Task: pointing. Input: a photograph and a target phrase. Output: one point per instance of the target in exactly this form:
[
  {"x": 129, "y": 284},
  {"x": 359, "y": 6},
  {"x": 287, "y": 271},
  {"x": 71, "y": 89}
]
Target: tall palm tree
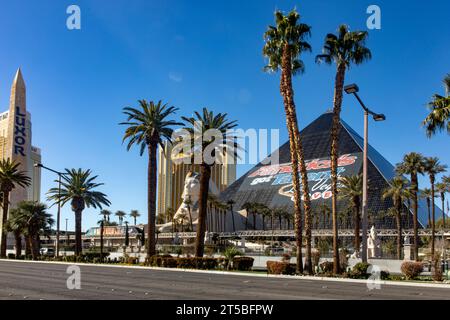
[
  {"x": 148, "y": 126},
  {"x": 80, "y": 188},
  {"x": 439, "y": 117},
  {"x": 413, "y": 164},
  {"x": 106, "y": 214},
  {"x": 426, "y": 194},
  {"x": 134, "y": 214},
  {"x": 10, "y": 178},
  {"x": 35, "y": 221},
  {"x": 344, "y": 49},
  {"x": 432, "y": 167},
  {"x": 442, "y": 188},
  {"x": 285, "y": 42},
  {"x": 209, "y": 150},
  {"x": 396, "y": 192},
  {"x": 120, "y": 215},
  {"x": 351, "y": 190}
]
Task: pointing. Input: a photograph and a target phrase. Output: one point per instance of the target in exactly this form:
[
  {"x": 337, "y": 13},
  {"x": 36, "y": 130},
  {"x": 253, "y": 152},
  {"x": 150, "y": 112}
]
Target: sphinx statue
[{"x": 191, "y": 194}]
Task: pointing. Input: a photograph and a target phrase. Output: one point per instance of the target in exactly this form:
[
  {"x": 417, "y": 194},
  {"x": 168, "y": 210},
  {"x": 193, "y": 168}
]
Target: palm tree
[
  {"x": 344, "y": 49},
  {"x": 16, "y": 225},
  {"x": 216, "y": 147},
  {"x": 102, "y": 231},
  {"x": 438, "y": 118},
  {"x": 433, "y": 167},
  {"x": 247, "y": 207},
  {"x": 443, "y": 187},
  {"x": 134, "y": 214},
  {"x": 170, "y": 213},
  {"x": 79, "y": 187},
  {"x": 10, "y": 178},
  {"x": 351, "y": 190},
  {"x": 230, "y": 204},
  {"x": 413, "y": 164},
  {"x": 148, "y": 127},
  {"x": 285, "y": 42},
  {"x": 188, "y": 203},
  {"x": 106, "y": 214},
  {"x": 426, "y": 194},
  {"x": 396, "y": 192},
  {"x": 33, "y": 220},
  {"x": 120, "y": 215}
]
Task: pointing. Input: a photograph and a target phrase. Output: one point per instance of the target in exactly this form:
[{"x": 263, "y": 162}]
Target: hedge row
[
  {"x": 167, "y": 261},
  {"x": 280, "y": 267}
]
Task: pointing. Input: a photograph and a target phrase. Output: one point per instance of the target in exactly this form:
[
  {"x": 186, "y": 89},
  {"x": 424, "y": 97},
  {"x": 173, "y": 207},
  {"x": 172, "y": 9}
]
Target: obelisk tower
[{"x": 19, "y": 134}]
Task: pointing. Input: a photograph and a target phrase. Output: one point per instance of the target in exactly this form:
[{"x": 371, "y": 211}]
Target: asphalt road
[{"x": 26, "y": 280}]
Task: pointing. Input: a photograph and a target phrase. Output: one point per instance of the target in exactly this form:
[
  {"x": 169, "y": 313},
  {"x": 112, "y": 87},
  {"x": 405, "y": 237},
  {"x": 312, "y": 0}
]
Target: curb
[{"x": 242, "y": 274}]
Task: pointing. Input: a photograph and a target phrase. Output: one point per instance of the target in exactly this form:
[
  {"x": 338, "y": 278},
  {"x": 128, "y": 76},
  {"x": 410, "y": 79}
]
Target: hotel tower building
[{"x": 16, "y": 144}]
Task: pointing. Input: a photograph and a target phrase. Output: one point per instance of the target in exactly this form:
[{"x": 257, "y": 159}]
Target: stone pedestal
[{"x": 407, "y": 252}]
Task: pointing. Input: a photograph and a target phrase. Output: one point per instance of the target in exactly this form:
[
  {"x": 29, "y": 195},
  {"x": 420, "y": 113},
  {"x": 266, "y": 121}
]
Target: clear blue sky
[{"x": 207, "y": 53}]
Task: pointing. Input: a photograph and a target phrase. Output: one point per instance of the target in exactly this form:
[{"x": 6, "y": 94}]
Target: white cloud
[{"x": 175, "y": 76}]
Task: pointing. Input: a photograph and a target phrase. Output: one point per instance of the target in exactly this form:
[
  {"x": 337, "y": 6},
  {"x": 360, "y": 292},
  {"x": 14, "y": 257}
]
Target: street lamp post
[
  {"x": 58, "y": 216},
  {"x": 353, "y": 89}
]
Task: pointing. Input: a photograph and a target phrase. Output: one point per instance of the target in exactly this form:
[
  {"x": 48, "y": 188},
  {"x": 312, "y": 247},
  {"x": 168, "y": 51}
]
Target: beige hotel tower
[
  {"x": 15, "y": 143},
  {"x": 171, "y": 177}
]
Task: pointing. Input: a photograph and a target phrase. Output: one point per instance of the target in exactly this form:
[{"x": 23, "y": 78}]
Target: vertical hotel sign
[{"x": 20, "y": 133}]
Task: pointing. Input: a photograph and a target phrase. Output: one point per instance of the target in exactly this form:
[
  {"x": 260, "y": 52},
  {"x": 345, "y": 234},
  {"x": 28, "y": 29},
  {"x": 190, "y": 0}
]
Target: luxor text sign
[{"x": 20, "y": 134}]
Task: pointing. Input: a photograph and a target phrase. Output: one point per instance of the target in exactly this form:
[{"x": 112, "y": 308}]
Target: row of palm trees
[
  {"x": 148, "y": 126},
  {"x": 134, "y": 214},
  {"x": 29, "y": 220}
]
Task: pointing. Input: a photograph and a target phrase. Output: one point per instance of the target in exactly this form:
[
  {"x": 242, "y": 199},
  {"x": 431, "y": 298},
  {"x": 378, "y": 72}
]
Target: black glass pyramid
[{"x": 272, "y": 185}]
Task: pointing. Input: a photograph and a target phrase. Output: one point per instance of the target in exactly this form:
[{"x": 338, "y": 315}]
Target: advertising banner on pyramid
[{"x": 279, "y": 177}]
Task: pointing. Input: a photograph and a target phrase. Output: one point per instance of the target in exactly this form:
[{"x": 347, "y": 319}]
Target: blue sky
[{"x": 207, "y": 53}]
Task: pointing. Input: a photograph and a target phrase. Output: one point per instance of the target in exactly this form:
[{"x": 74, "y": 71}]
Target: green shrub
[
  {"x": 11, "y": 256},
  {"x": 279, "y": 267},
  {"x": 411, "y": 270},
  {"x": 359, "y": 271},
  {"x": 197, "y": 263},
  {"x": 243, "y": 263},
  {"x": 327, "y": 266}
]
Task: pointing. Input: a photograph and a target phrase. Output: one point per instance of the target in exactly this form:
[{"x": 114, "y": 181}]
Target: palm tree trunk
[
  {"x": 415, "y": 222},
  {"x": 18, "y": 239},
  {"x": 190, "y": 218},
  {"x": 443, "y": 209},
  {"x": 151, "y": 189},
  {"x": 294, "y": 141},
  {"x": 4, "y": 220},
  {"x": 398, "y": 218},
  {"x": 433, "y": 226},
  {"x": 205, "y": 174},
  {"x": 78, "y": 245},
  {"x": 254, "y": 221},
  {"x": 339, "y": 86},
  {"x": 232, "y": 218},
  {"x": 101, "y": 241},
  {"x": 429, "y": 212},
  {"x": 357, "y": 223}
]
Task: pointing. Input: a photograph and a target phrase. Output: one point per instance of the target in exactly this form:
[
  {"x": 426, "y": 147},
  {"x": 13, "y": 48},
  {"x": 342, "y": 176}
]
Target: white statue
[
  {"x": 191, "y": 191},
  {"x": 373, "y": 244}
]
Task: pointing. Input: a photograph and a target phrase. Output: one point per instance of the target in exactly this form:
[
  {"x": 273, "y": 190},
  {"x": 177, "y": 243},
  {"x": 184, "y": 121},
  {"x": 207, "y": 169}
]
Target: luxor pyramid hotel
[{"x": 16, "y": 143}]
